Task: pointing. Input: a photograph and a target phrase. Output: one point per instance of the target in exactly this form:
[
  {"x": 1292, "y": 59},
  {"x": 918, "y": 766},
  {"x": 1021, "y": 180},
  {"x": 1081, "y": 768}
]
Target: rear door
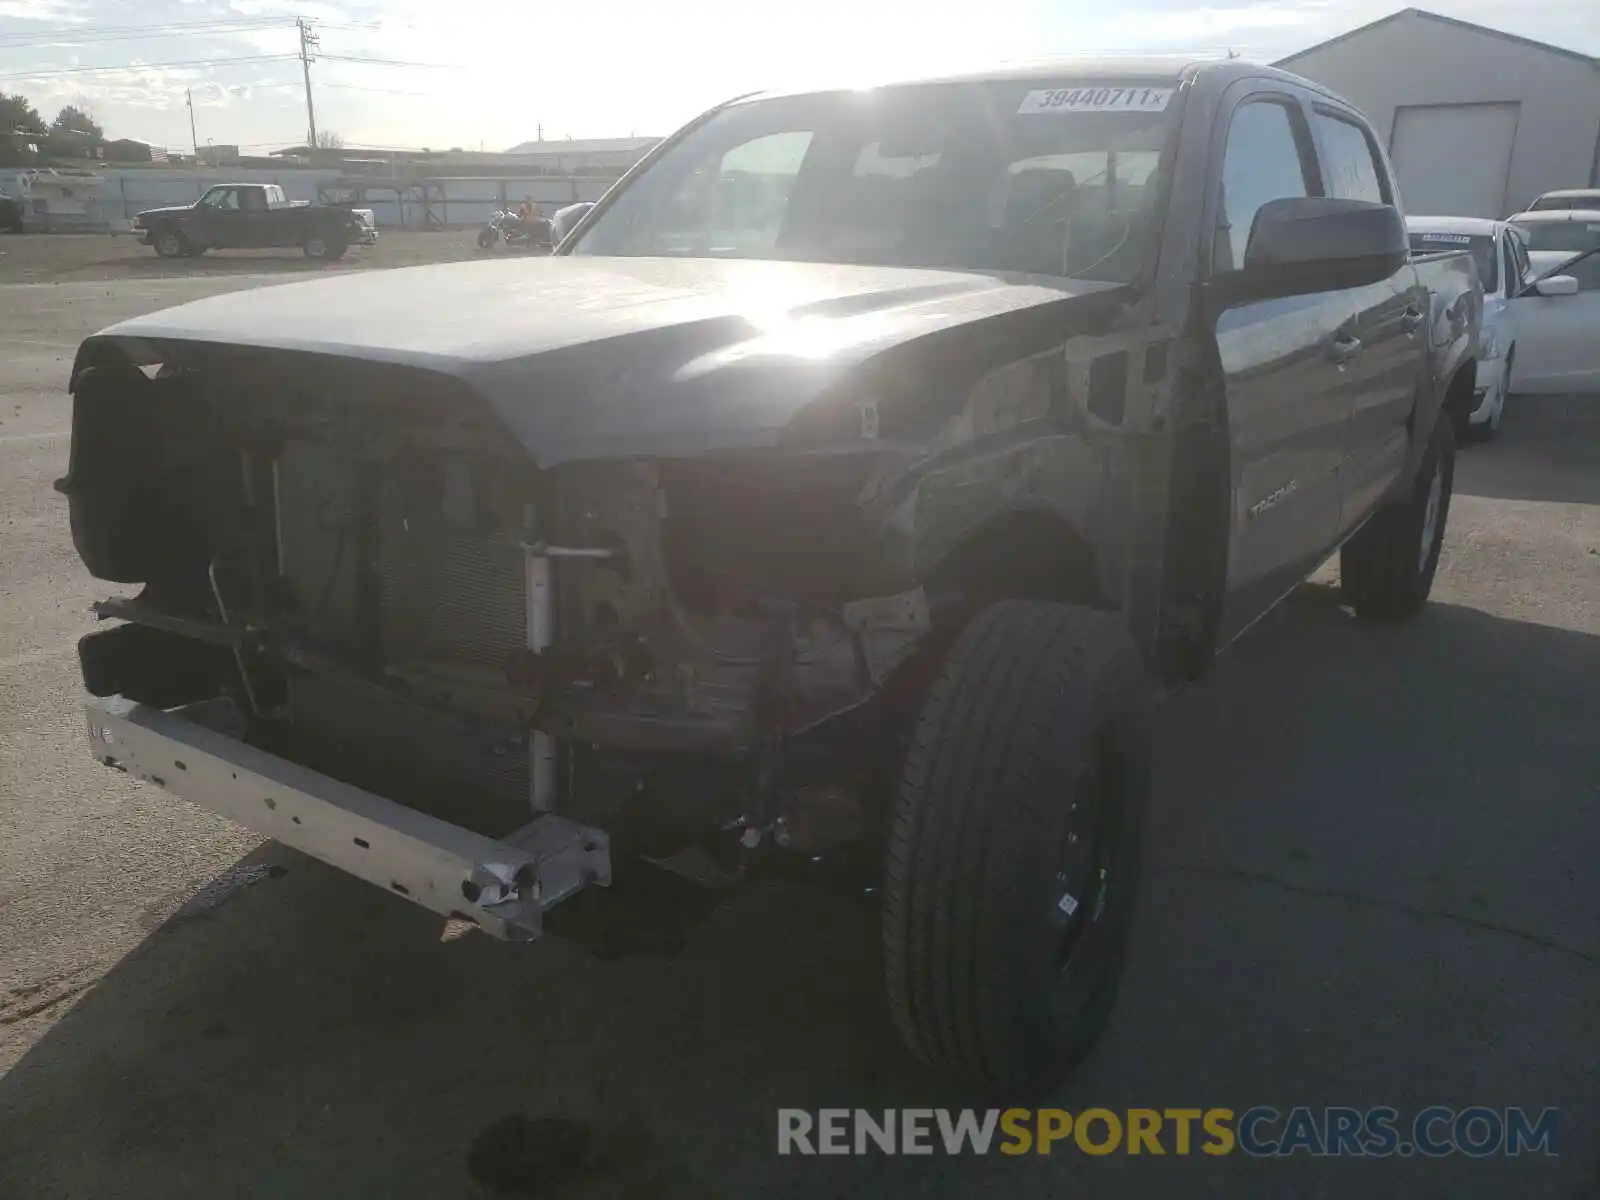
[
  {"x": 1384, "y": 361},
  {"x": 1287, "y": 409}
]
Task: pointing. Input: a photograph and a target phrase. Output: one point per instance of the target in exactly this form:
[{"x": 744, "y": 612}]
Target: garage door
[{"x": 1454, "y": 159}]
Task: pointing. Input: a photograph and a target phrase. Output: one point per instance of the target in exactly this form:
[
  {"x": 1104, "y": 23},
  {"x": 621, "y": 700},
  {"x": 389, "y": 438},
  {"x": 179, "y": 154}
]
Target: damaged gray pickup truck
[{"x": 837, "y": 503}]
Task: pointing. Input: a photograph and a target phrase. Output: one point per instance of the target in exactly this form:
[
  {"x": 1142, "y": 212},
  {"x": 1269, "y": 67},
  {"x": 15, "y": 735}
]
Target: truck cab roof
[{"x": 1109, "y": 71}]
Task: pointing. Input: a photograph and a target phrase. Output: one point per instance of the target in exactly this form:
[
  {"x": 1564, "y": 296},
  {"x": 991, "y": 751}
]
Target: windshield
[
  {"x": 1576, "y": 200},
  {"x": 1576, "y": 236},
  {"x": 1002, "y": 177},
  {"x": 1482, "y": 249}
]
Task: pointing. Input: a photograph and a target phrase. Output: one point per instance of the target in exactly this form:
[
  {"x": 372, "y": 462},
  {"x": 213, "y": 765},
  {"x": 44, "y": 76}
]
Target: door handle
[
  {"x": 1410, "y": 319},
  {"x": 1344, "y": 349}
]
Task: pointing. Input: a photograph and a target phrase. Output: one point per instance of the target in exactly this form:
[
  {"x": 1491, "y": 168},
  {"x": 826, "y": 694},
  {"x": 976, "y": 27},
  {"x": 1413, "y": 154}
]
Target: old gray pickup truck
[{"x": 838, "y": 501}]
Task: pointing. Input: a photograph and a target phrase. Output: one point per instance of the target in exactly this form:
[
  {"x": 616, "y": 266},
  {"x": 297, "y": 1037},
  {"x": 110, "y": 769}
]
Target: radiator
[{"x": 450, "y": 598}]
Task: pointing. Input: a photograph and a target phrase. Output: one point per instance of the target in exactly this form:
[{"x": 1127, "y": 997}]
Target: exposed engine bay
[{"x": 399, "y": 597}]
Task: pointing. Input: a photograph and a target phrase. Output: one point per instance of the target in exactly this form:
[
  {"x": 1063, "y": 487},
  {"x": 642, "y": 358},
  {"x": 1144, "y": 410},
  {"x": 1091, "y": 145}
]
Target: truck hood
[
  {"x": 599, "y": 357},
  {"x": 161, "y": 212}
]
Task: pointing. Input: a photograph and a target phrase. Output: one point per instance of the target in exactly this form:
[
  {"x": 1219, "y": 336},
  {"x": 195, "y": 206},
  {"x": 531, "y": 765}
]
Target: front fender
[{"x": 945, "y": 508}]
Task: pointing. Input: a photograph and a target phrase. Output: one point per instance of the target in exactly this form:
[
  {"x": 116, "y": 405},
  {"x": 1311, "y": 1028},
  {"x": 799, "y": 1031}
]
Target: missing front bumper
[{"x": 504, "y": 885}]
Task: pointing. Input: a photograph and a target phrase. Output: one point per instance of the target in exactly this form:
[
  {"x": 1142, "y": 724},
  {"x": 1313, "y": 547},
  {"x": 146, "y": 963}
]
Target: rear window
[
  {"x": 1576, "y": 236},
  {"x": 1482, "y": 249}
]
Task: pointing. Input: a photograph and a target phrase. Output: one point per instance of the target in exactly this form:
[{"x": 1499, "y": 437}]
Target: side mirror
[
  {"x": 1319, "y": 243},
  {"x": 566, "y": 218},
  {"x": 1557, "y": 285}
]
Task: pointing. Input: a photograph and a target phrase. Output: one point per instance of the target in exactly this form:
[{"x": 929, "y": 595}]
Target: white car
[
  {"x": 1585, "y": 198},
  {"x": 1558, "y": 317},
  {"x": 1504, "y": 271}
]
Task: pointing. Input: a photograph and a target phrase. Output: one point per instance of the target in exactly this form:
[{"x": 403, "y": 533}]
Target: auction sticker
[{"x": 1097, "y": 99}]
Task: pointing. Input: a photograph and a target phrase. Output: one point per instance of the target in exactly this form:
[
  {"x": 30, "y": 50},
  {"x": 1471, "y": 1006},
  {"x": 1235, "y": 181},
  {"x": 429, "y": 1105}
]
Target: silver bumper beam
[{"x": 503, "y": 885}]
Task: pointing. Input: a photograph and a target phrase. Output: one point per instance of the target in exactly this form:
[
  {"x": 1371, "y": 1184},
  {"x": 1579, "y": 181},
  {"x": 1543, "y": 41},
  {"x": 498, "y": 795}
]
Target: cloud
[
  {"x": 70, "y": 11},
  {"x": 653, "y": 66}
]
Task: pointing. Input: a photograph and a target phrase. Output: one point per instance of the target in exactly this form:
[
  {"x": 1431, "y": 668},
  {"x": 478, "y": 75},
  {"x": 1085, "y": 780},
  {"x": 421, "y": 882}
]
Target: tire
[
  {"x": 1024, "y": 786},
  {"x": 486, "y": 238},
  {"x": 1386, "y": 570},
  {"x": 322, "y": 248},
  {"x": 169, "y": 243}
]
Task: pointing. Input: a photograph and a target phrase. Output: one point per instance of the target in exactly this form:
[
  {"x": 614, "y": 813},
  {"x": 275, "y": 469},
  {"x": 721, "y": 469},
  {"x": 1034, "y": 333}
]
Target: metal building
[{"x": 1478, "y": 122}]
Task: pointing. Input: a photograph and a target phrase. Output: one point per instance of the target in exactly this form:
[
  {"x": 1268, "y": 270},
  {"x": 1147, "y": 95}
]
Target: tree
[
  {"x": 76, "y": 118},
  {"x": 327, "y": 139},
  {"x": 18, "y": 115}
]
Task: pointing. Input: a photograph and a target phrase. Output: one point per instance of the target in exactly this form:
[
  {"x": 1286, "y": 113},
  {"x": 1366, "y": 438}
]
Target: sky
[{"x": 490, "y": 73}]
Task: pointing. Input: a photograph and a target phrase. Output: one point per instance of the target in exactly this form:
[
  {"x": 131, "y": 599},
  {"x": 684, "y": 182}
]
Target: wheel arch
[
  {"x": 1024, "y": 553},
  {"x": 1453, "y": 398}
]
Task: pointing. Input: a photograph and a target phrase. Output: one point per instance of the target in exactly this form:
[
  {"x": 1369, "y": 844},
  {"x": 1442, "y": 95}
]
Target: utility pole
[
  {"x": 188, "y": 94},
  {"x": 308, "y": 42}
]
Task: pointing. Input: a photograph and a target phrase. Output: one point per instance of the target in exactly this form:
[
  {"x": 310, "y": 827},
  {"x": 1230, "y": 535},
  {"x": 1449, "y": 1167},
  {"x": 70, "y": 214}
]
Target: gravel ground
[{"x": 1371, "y": 880}]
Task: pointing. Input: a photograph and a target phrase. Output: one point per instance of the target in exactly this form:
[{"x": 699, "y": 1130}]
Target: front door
[
  {"x": 1383, "y": 362},
  {"x": 220, "y": 223},
  {"x": 1558, "y": 337},
  {"x": 1287, "y": 406}
]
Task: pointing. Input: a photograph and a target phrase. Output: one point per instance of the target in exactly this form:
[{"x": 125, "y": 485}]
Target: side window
[
  {"x": 736, "y": 204},
  {"x": 1262, "y": 161},
  {"x": 1350, "y": 169}
]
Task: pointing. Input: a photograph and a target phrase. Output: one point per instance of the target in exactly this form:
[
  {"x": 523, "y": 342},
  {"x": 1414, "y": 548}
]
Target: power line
[
  {"x": 95, "y": 34},
  {"x": 355, "y": 87},
  {"x": 388, "y": 62},
  {"x": 343, "y": 87},
  {"x": 51, "y": 72}
]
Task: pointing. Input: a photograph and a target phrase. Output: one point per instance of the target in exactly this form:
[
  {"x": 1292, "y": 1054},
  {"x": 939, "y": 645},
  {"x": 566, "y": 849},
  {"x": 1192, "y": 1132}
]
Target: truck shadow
[{"x": 313, "y": 1036}]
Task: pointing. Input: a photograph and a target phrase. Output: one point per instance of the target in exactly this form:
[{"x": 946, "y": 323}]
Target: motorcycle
[{"x": 506, "y": 226}]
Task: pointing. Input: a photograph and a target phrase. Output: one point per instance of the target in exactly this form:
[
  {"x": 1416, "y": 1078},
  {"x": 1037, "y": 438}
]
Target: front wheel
[
  {"x": 1012, "y": 866},
  {"x": 1386, "y": 570},
  {"x": 169, "y": 243},
  {"x": 487, "y": 238}
]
